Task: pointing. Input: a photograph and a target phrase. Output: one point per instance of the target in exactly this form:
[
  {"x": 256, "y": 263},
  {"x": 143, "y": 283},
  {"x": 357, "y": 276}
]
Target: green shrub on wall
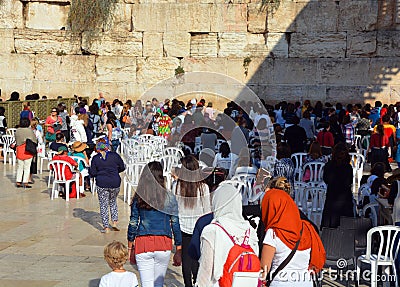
[
  {"x": 92, "y": 16},
  {"x": 270, "y": 5}
]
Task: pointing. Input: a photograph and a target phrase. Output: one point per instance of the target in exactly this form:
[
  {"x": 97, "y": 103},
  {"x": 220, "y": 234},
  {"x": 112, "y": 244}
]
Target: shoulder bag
[
  {"x": 30, "y": 147},
  {"x": 270, "y": 277}
]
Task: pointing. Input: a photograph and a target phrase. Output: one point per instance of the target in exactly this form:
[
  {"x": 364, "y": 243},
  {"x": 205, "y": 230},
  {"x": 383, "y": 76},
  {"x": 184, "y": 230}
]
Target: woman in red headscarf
[{"x": 284, "y": 232}]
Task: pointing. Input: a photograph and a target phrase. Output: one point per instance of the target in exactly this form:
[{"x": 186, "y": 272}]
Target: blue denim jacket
[{"x": 154, "y": 222}]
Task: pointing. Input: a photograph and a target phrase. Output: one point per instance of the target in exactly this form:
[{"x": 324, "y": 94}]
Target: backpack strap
[
  {"x": 270, "y": 278},
  {"x": 230, "y": 236}
]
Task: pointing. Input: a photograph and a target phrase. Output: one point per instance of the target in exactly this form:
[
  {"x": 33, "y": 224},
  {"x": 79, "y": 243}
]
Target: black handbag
[{"x": 30, "y": 146}]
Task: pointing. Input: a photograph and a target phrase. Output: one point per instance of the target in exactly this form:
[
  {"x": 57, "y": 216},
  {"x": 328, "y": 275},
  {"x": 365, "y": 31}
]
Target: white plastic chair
[
  {"x": 11, "y": 131},
  {"x": 85, "y": 172},
  {"x": 387, "y": 252},
  {"x": 139, "y": 153},
  {"x": 315, "y": 207},
  {"x": 8, "y": 152},
  {"x": 270, "y": 162},
  {"x": 299, "y": 188},
  {"x": 48, "y": 157},
  {"x": 373, "y": 207},
  {"x": 168, "y": 162},
  {"x": 357, "y": 163},
  {"x": 365, "y": 141},
  {"x": 357, "y": 143},
  {"x": 197, "y": 149},
  {"x": 131, "y": 179},
  {"x": 248, "y": 196},
  {"x": 58, "y": 167},
  {"x": 316, "y": 172},
  {"x": 187, "y": 149},
  {"x": 145, "y": 137},
  {"x": 219, "y": 142},
  {"x": 297, "y": 159},
  {"x": 159, "y": 144},
  {"x": 174, "y": 151}
]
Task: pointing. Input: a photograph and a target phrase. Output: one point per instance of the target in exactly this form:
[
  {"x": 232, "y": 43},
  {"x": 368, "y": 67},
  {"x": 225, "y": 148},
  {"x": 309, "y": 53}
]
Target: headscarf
[
  {"x": 102, "y": 148},
  {"x": 227, "y": 209},
  {"x": 280, "y": 213}
]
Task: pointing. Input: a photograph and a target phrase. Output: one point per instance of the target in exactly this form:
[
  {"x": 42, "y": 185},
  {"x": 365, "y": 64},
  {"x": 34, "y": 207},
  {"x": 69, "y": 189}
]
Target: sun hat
[{"x": 79, "y": 146}]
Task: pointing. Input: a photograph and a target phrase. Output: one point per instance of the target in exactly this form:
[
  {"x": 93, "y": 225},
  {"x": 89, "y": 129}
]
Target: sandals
[
  {"x": 27, "y": 186},
  {"x": 105, "y": 230},
  {"x": 19, "y": 185},
  {"x": 115, "y": 227}
]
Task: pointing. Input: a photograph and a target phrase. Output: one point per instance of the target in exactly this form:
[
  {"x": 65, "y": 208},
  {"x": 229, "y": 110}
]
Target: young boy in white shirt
[{"x": 116, "y": 254}]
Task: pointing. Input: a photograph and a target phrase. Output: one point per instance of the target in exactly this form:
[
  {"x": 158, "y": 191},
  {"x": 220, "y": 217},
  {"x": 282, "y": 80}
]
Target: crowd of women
[{"x": 205, "y": 220}]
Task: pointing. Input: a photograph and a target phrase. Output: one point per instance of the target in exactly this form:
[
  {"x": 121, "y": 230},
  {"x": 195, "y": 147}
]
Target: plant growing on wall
[
  {"x": 179, "y": 71},
  {"x": 270, "y": 5},
  {"x": 246, "y": 63},
  {"x": 91, "y": 16}
]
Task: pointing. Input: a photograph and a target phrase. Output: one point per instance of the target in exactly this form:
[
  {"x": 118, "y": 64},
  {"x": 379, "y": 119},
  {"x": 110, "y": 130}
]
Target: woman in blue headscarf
[{"x": 105, "y": 168}]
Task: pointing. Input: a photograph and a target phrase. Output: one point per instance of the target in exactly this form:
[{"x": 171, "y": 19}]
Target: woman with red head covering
[{"x": 284, "y": 231}]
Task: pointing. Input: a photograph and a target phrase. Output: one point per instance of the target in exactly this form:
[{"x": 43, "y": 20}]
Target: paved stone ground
[{"x": 47, "y": 242}]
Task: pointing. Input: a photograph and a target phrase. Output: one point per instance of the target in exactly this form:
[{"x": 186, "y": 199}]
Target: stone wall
[{"x": 327, "y": 50}]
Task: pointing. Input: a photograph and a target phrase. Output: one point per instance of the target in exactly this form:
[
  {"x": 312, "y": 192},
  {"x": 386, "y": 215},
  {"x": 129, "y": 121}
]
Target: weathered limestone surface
[
  {"x": 65, "y": 68},
  {"x": 115, "y": 69},
  {"x": 11, "y": 14},
  {"x": 327, "y": 50},
  {"x": 45, "y": 42},
  {"x": 157, "y": 69},
  {"x": 204, "y": 45},
  {"x": 114, "y": 43},
  {"x": 152, "y": 44},
  {"x": 323, "y": 45},
  {"x": 49, "y": 16},
  {"x": 7, "y": 41},
  {"x": 176, "y": 44}
]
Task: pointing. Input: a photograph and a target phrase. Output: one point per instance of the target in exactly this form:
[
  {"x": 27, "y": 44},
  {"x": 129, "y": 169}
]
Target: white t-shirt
[
  {"x": 119, "y": 279},
  {"x": 296, "y": 271}
]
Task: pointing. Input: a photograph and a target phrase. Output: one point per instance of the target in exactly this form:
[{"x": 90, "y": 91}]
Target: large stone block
[
  {"x": 260, "y": 70},
  {"x": 320, "y": 45},
  {"x": 277, "y": 45},
  {"x": 204, "y": 45},
  {"x": 256, "y": 19},
  {"x": 115, "y": 69},
  {"x": 361, "y": 44},
  {"x": 176, "y": 44},
  {"x": 152, "y": 44},
  {"x": 233, "y": 44},
  {"x": 318, "y": 16},
  {"x": 15, "y": 66},
  {"x": 114, "y": 43},
  {"x": 7, "y": 41},
  {"x": 217, "y": 65},
  {"x": 65, "y": 68},
  {"x": 46, "y": 16},
  {"x": 276, "y": 93},
  {"x": 384, "y": 71},
  {"x": 295, "y": 71},
  {"x": 358, "y": 15},
  {"x": 11, "y": 14},
  {"x": 153, "y": 70},
  {"x": 122, "y": 17},
  {"x": 193, "y": 17},
  {"x": 388, "y": 44},
  {"x": 161, "y": 17},
  {"x": 150, "y": 17},
  {"x": 355, "y": 94},
  {"x": 229, "y": 18},
  {"x": 283, "y": 19},
  {"x": 45, "y": 42},
  {"x": 344, "y": 71}
]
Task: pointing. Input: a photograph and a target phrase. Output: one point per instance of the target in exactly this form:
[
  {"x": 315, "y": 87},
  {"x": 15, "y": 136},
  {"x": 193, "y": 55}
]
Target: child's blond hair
[{"x": 115, "y": 254}]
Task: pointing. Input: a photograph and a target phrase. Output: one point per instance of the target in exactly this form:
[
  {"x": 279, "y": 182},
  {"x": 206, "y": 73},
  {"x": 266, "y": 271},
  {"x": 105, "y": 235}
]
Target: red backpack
[{"x": 241, "y": 258}]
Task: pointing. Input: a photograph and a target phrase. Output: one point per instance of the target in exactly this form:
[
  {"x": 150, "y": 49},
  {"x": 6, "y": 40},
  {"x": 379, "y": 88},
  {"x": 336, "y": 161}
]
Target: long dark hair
[
  {"x": 224, "y": 150},
  {"x": 340, "y": 154},
  {"x": 190, "y": 180},
  {"x": 151, "y": 190}
]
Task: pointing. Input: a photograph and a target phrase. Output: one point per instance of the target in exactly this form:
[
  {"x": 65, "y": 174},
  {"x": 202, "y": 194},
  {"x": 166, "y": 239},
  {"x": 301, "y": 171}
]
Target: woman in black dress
[{"x": 338, "y": 175}]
